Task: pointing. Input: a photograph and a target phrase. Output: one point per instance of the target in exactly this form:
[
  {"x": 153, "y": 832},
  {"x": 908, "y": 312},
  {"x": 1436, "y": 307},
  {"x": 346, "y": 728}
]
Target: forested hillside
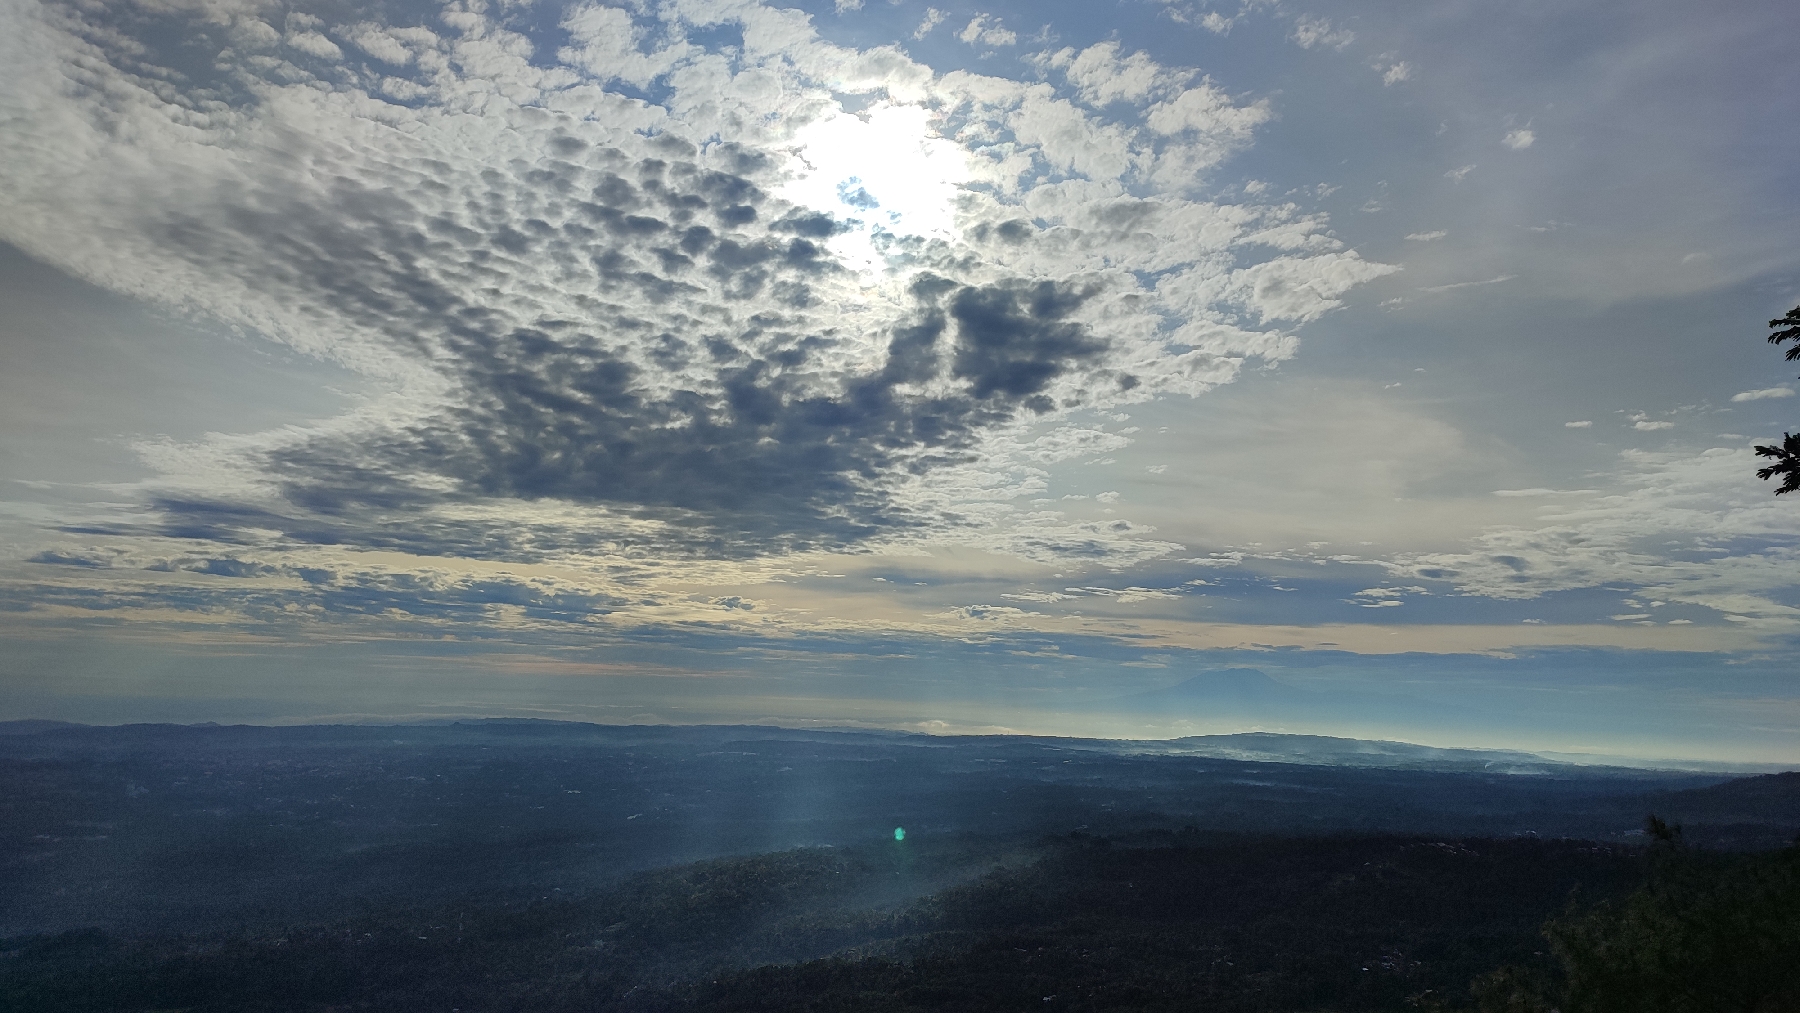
[{"x": 1163, "y": 921}]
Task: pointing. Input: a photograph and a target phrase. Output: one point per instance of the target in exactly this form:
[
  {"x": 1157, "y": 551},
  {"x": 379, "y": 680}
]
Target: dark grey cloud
[
  {"x": 549, "y": 414},
  {"x": 1015, "y": 339},
  {"x": 646, "y": 402},
  {"x": 324, "y": 593}
]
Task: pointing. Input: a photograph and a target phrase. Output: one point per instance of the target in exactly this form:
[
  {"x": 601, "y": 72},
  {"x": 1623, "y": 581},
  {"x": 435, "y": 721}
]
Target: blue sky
[{"x": 956, "y": 369}]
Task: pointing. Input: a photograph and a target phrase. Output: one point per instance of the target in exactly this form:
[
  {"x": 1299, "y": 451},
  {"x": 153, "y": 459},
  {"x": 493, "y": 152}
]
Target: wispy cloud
[
  {"x": 1467, "y": 284},
  {"x": 1764, "y": 394},
  {"x": 1686, "y": 528},
  {"x": 1392, "y": 70},
  {"x": 1522, "y": 493},
  {"x": 1311, "y": 32}
]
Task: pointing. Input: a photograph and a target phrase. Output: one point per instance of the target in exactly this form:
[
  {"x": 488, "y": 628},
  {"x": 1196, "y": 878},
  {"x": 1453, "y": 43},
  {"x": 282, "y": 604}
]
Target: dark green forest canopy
[{"x": 1786, "y": 455}]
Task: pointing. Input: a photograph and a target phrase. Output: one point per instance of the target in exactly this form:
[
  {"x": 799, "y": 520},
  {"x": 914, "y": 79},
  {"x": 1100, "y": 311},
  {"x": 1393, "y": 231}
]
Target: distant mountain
[
  {"x": 1325, "y": 750},
  {"x": 33, "y": 726}
]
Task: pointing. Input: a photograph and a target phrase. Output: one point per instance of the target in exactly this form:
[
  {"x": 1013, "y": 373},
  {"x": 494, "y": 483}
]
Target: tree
[
  {"x": 1707, "y": 933},
  {"x": 1787, "y": 455}
]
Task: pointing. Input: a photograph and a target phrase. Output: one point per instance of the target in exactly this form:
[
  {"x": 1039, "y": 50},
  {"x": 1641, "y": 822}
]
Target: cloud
[
  {"x": 379, "y": 43},
  {"x": 933, "y": 18},
  {"x": 315, "y": 45},
  {"x": 1038, "y": 596},
  {"x": 978, "y": 32},
  {"x": 1394, "y": 71},
  {"x": 1583, "y": 424},
  {"x": 628, "y": 332},
  {"x": 1127, "y": 595},
  {"x": 1522, "y": 493},
  {"x": 1467, "y": 284},
  {"x": 53, "y": 558},
  {"x": 1311, "y": 32},
  {"x": 1685, "y": 528},
  {"x": 1649, "y": 425},
  {"x": 1459, "y": 174},
  {"x": 1426, "y": 237},
  {"x": 273, "y": 588},
  {"x": 1519, "y": 140},
  {"x": 1765, "y": 393},
  {"x": 1104, "y": 77}
]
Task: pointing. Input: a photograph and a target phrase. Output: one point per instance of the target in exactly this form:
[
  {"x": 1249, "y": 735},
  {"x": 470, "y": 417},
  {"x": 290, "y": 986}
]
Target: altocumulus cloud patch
[{"x": 636, "y": 292}]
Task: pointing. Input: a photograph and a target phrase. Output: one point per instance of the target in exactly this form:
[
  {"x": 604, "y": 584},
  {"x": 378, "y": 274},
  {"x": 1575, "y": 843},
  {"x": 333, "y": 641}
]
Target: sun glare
[{"x": 885, "y": 169}]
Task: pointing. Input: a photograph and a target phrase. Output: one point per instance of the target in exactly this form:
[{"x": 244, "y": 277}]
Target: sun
[{"x": 886, "y": 169}]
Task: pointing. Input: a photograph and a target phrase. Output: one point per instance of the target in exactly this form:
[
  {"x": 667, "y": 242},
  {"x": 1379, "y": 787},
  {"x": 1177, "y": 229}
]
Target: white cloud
[
  {"x": 1467, "y": 284},
  {"x": 933, "y": 18},
  {"x": 1649, "y": 425},
  {"x": 1310, "y": 32},
  {"x": 1038, "y": 596},
  {"x": 1583, "y": 424},
  {"x": 1426, "y": 237},
  {"x": 1764, "y": 394},
  {"x": 1205, "y": 109},
  {"x": 382, "y": 45},
  {"x": 1459, "y": 174},
  {"x": 1522, "y": 493},
  {"x": 979, "y": 32},
  {"x": 1216, "y": 23},
  {"x": 1294, "y": 289},
  {"x": 1394, "y": 72},
  {"x": 1068, "y": 442},
  {"x": 844, "y": 6},
  {"x": 314, "y": 44},
  {"x": 1699, "y": 530},
  {"x": 1519, "y": 140},
  {"x": 1103, "y": 77}
]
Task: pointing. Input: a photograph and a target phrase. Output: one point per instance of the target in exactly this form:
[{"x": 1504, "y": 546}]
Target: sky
[{"x": 961, "y": 369}]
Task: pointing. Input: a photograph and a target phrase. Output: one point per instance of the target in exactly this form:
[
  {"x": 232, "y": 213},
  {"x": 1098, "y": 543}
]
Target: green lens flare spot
[{"x": 899, "y": 833}]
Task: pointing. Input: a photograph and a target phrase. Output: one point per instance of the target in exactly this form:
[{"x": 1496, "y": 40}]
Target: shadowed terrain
[{"x": 158, "y": 827}]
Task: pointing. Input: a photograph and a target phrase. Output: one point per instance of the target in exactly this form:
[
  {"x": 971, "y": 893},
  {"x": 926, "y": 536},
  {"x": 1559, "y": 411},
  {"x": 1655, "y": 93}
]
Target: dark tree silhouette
[{"x": 1787, "y": 455}]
